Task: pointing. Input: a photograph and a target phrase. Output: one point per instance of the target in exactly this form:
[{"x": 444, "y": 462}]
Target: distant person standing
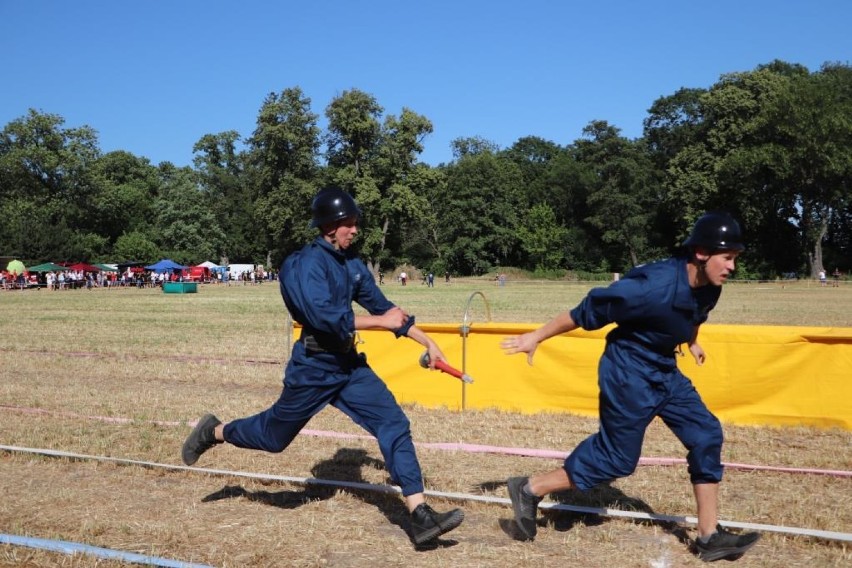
[
  {"x": 430, "y": 279},
  {"x": 836, "y": 275},
  {"x": 403, "y": 278},
  {"x": 822, "y": 279}
]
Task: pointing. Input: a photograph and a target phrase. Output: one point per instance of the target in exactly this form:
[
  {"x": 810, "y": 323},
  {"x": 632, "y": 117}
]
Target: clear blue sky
[{"x": 154, "y": 76}]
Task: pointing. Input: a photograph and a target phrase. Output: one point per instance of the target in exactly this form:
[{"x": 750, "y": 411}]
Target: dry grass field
[{"x": 120, "y": 373}]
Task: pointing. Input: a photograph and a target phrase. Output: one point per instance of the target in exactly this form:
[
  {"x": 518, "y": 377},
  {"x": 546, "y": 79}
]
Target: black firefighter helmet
[
  {"x": 716, "y": 231},
  {"x": 332, "y": 204}
]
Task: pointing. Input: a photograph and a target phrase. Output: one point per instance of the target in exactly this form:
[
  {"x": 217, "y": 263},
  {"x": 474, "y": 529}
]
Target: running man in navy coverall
[
  {"x": 656, "y": 307},
  {"x": 319, "y": 284}
]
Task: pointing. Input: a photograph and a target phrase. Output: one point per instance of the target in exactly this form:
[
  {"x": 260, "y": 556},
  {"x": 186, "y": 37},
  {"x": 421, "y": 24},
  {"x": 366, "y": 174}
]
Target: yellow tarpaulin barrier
[{"x": 766, "y": 375}]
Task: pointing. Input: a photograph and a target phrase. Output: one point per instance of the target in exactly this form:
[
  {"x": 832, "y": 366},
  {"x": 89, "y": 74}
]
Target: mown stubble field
[{"x": 120, "y": 373}]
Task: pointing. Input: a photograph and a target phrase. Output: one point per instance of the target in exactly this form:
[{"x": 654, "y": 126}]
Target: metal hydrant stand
[{"x": 465, "y": 330}]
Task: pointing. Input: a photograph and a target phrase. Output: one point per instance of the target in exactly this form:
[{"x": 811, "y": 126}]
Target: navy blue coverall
[
  {"x": 655, "y": 310},
  {"x": 319, "y": 284}
]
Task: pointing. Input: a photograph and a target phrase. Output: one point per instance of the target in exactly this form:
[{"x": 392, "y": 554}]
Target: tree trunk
[
  {"x": 816, "y": 257},
  {"x": 377, "y": 266},
  {"x": 634, "y": 258}
]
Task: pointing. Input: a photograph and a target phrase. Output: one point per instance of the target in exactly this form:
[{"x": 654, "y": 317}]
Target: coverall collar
[
  {"x": 330, "y": 248},
  {"x": 683, "y": 297}
]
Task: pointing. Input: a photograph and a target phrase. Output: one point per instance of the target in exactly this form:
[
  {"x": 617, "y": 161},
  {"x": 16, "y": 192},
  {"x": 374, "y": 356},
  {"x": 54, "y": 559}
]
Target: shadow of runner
[
  {"x": 604, "y": 496},
  {"x": 346, "y": 465}
]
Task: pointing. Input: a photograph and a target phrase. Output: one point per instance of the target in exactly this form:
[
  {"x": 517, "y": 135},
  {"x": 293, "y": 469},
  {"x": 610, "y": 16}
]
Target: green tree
[
  {"x": 472, "y": 146},
  {"x": 808, "y": 148},
  {"x": 136, "y": 246},
  {"x": 26, "y": 231},
  {"x": 186, "y": 228},
  {"x": 622, "y": 201},
  {"x": 220, "y": 167},
  {"x": 125, "y": 189},
  {"x": 534, "y": 156},
  {"x": 774, "y": 149},
  {"x": 390, "y": 198},
  {"x": 376, "y": 159},
  {"x": 838, "y": 244},
  {"x": 731, "y": 110},
  {"x": 542, "y": 238},
  {"x": 354, "y": 133},
  {"x": 423, "y": 240},
  {"x": 729, "y": 163},
  {"x": 565, "y": 186},
  {"x": 353, "y": 139},
  {"x": 283, "y": 213},
  {"x": 674, "y": 122},
  {"x": 283, "y": 169},
  {"x": 286, "y": 140},
  {"x": 44, "y": 174},
  {"x": 480, "y": 214}
]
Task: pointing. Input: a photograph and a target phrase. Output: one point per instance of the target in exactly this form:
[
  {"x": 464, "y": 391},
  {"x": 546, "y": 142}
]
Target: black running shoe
[
  {"x": 724, "y": 544},
  {"x": 427, "y": 525},
  {"x": 200, "y": 439},
  {"x": 525, "y": 506}
]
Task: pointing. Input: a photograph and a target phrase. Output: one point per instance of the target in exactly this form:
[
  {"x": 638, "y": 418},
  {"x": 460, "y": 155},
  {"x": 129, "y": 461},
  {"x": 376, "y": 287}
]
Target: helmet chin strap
[
  {"x": 700, "y": 269},
  {"x": 330, "y": 235}
]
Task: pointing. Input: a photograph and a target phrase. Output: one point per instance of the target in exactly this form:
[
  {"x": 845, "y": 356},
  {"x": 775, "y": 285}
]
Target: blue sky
[{"x": 153, "y": 77}]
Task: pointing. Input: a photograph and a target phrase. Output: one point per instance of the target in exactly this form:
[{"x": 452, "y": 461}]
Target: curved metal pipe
[{"x": 465, "y": 329}]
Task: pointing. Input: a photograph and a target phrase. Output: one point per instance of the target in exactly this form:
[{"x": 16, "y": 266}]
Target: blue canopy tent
[{"x": 165, "y": 265}]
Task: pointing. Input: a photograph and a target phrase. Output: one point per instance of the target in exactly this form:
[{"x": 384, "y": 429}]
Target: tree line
[{"x": 773, "y": 146}]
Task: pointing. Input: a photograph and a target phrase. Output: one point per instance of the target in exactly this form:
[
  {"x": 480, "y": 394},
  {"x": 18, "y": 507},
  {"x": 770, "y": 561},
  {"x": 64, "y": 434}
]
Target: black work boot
[
  {"x": 524, "y": 504},
  {"x": 427, "y": 525},
  {"x": 724, "y": 544},
  {"x": 200, "y": 439}
]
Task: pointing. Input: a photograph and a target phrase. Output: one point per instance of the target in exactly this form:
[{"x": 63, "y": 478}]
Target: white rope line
[
  {"x": 68, "y": 547},
  {"x": 605, "y": 512},
  {"x": 451, "y": 446}
]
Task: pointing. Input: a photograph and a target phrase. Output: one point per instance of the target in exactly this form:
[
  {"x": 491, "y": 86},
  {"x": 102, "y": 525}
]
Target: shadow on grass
[
  {"x": 604, "y": 496},
  {"x": 345, "y": 465}
]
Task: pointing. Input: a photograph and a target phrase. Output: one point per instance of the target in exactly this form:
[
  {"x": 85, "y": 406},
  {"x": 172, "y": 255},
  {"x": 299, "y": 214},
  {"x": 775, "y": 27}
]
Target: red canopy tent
[{"x": 84, "y": 267}]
